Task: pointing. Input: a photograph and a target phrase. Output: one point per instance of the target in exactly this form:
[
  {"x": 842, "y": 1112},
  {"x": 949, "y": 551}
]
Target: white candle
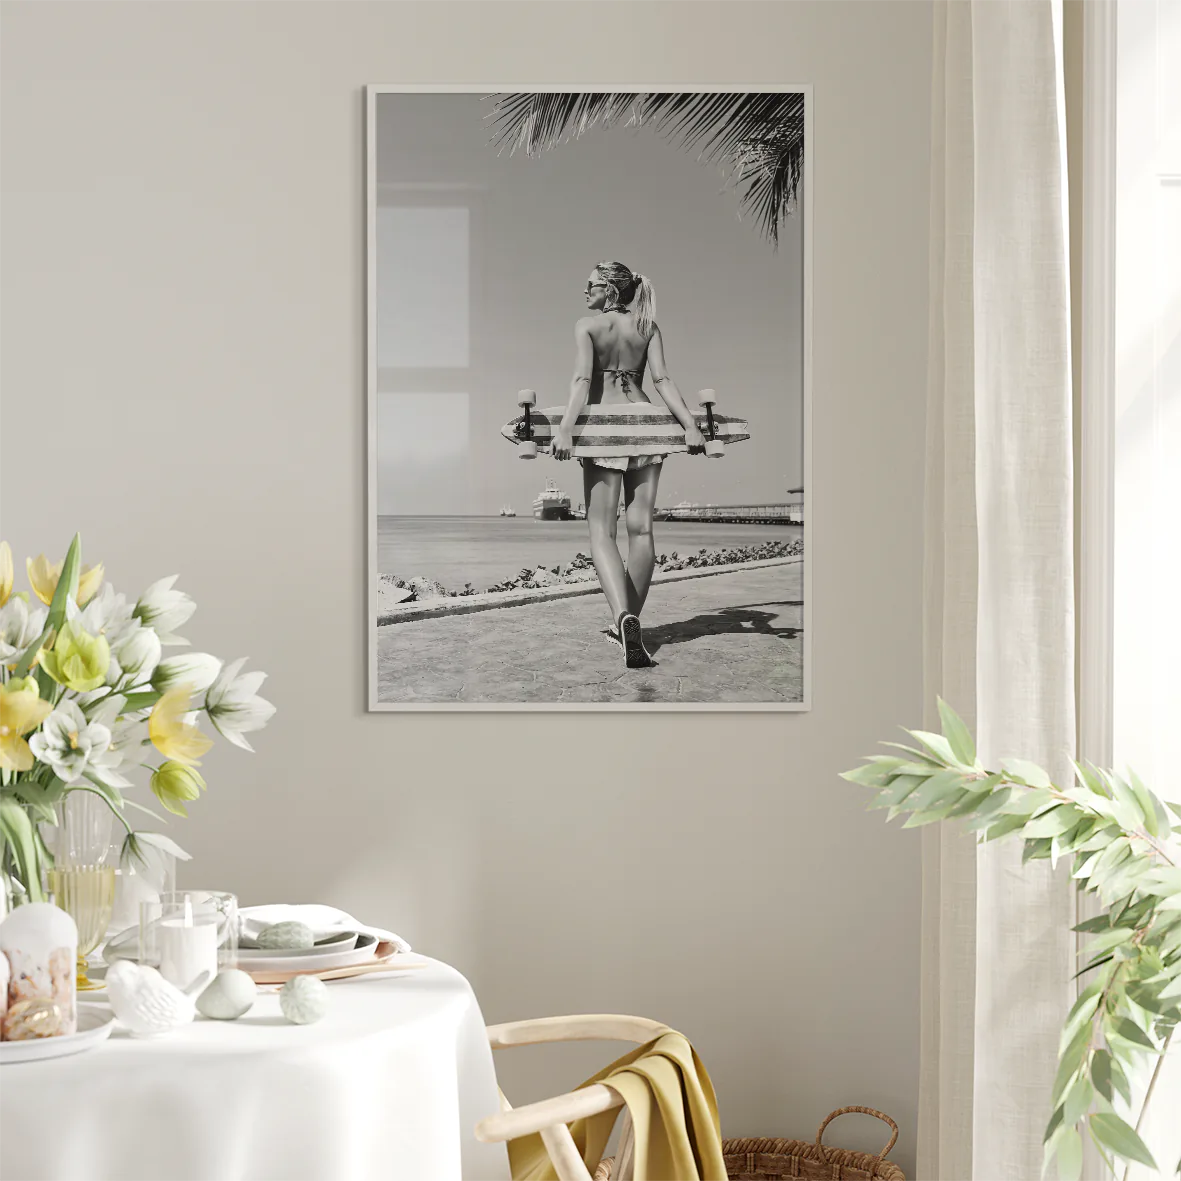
[{"x": 187, "y": 949}]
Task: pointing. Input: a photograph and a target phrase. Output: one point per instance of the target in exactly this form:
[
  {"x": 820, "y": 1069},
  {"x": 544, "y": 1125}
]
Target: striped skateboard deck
[{"x": 637, "y": 428}]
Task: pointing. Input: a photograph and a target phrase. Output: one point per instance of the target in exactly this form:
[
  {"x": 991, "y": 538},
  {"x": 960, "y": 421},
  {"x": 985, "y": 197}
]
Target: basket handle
[{"x": 865, "y": 1111}]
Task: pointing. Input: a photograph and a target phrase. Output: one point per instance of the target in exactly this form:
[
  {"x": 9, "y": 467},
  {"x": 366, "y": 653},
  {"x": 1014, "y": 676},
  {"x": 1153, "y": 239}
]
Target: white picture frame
[{"x": 372, "y": 96}]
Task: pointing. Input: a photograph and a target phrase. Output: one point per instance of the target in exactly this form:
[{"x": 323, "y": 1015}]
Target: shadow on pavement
[{"x": 744, "y": 621}]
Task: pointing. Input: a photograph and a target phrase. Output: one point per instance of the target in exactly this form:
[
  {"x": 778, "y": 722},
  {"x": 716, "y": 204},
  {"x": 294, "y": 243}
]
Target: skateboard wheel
[
  {"x": 707, "y": 397},
  {"x": 715, "y": 448},
  {"x": 528, "y": 450},
  {"x": 526, "y": 397}
]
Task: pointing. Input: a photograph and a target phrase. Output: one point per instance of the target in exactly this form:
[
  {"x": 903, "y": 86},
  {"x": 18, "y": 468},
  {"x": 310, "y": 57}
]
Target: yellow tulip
[
  {"x": 43, "y": 576},
  {"x": 21, "y": 710},
  {"x": 76, "y": 659},
  {"x": 174, "y": 782},
  {"x": 5, "y": 572},
  {"x": 171, "y": 735}
]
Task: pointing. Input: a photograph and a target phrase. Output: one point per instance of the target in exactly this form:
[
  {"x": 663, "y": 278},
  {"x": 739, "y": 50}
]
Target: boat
[
  {"x": 552, "y": 504},
  {"x": 508, "y": 511}
]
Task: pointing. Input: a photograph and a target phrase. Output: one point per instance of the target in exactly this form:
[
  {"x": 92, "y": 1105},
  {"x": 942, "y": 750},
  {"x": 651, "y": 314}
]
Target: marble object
[
  {"x": 228, "y": 996},
  {"x": 304, "y": 1000},
  {"x": 145, "y": 1002},
  {"x": 289, "y": 936},
  {"x": 40, "y": 944}
]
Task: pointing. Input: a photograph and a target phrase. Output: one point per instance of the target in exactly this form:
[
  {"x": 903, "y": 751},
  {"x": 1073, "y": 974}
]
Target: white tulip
[
  {"x": 67, "y": 742},
  {"x": 233, "y": 705},
  {"x": 19, "y": 627},
  {"x": 164, "y": 609},
  {"x": 136, "y": 652},
  {"x": 197, "y": 669}
]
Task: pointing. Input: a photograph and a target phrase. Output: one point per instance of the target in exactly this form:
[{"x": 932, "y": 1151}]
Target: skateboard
[{"x": 623, "y": 429}]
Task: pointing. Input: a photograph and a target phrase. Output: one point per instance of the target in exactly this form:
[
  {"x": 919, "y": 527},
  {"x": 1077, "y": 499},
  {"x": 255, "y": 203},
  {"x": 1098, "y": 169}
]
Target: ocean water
[{"x": 487, "y": 550}]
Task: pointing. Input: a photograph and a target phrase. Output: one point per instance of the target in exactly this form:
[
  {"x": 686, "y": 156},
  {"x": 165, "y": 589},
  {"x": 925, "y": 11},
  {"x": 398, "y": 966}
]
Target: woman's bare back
[{"x": 621, "y": 354}]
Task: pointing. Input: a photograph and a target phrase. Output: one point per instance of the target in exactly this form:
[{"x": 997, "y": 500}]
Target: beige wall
[{"x": 183, "y": 382}]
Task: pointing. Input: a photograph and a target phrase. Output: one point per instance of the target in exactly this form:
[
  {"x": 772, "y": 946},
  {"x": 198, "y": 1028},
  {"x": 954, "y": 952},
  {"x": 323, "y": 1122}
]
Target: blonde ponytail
[{"x": 643, "y": 304}]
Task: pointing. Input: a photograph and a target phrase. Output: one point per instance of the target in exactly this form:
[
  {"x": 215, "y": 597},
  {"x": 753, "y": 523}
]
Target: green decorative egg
[
  {"x": 303, "y": 999},
  {"x": 229, "y": 996},
  {"x": 286, "y": 937}
]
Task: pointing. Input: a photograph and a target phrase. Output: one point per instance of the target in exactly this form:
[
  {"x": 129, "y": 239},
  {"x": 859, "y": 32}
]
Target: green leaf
[
  {"x": 1119, "y": 1080},
  {"x": 1088, "y": 778},
  {"x": 1148, "y": 998},
  {"x": 17, "y": 829},
  {"x": 138, "y": 701},
  {"x": 1027, "y": 802},
  {"x": 1070, "y": 1156},
  {"x": 1093, "y": 964},
  {"x": 958, "y": 736},
  {"x": 1101, "y": 922},
  {"x": 1036, "y": 850},
  {"x": 1108, "y": 940},
  {"x": 35, "y": 796},
  {"x": 1077, "y": 1100},
  {"x": 930, "y": 815},
  {"x": 1026, "y": 772},
  {"x": 867, "y": 775},
  {"x": 1174, "y": 808},
  {"x": 1101, "y": 1074},
  {"x": 1004, "y": 826},
  {"x": 144, "y": 808},
  {"x": 1131, "y": 1032},
  {"x": 991, "y": 807},
  {"x": 970, "y": 803},
  {"x": 1056, "y": 820},
  {"x": 1121, "y": 1139},
  {"x": 1148, "y": 803},
  {"x": 1054, "y": 1124},
  {"x": 936, "y": 744},
  {"x": 1069, "y": 1062}
]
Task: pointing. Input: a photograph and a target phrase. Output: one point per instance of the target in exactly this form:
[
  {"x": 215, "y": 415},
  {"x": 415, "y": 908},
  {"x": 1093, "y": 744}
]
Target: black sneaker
[
  {"x": 632, "y": 635},
  {"x": 611, "y": 635}
]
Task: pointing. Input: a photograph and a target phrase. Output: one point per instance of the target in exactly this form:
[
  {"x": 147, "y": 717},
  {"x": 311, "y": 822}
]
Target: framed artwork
[{"x": 589, "y": 390}]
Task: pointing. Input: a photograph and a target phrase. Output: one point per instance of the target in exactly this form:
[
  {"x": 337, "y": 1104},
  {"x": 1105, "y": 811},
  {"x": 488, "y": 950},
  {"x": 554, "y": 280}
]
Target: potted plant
[
  {"x": 1116, "y": 831},
  {"x": 88, "y": 698}
]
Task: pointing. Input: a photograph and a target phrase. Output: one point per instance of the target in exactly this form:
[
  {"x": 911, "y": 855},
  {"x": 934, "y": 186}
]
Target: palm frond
[{"x": 759, "y": 136}]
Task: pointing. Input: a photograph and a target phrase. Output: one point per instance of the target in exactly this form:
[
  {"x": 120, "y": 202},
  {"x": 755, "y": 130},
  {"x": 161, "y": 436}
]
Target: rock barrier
[{"x": 394, "y": 590}]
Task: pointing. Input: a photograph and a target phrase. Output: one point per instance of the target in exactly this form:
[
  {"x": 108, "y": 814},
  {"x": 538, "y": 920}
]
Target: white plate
[
  {"x": 249, "y": 960},
  {"x": 345, "y": 941},
  {"x": 95, "y": 1023}
]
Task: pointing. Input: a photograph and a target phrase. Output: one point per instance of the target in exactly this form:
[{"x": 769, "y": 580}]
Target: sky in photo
[{"x": 481, "y": 264}]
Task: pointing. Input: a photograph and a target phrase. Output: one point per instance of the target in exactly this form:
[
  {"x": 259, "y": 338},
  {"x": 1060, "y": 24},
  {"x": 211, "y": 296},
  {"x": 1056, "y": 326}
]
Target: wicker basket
[
  {"x": 772, "y": 1159},
  {"x": 769, "y": 1160}
]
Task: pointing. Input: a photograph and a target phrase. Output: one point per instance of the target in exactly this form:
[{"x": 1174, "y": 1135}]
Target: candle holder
[{"x": 185, "y": 933}]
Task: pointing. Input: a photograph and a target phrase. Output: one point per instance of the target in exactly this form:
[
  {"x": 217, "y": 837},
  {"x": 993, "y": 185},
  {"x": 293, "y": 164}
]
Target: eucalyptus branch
[{"x": 1116, "y": 831}]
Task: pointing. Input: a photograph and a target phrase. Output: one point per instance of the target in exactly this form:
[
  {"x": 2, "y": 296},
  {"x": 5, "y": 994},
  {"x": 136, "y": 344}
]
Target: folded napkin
[{"x": 325, "y": 921}]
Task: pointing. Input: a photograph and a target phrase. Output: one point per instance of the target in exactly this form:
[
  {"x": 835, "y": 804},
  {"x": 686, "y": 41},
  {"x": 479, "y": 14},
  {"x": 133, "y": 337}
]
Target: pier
[{"x": 734, "y": 514}]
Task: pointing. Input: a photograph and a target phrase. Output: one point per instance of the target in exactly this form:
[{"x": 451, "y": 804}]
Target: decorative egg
[
  {"x": 290, "y": 936},
  {"x": 303, "y": 999},
  {"x": 230, "y": 995},
  {"x": 38, "y": 1017}
]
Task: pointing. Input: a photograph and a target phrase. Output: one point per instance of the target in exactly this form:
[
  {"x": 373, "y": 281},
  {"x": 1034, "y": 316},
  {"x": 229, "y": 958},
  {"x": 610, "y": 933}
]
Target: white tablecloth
[{"x": 389, "y": 1086}]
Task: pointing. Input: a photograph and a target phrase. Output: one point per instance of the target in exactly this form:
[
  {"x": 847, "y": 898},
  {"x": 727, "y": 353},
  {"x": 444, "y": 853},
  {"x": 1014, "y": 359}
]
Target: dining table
[{"x": 387, "y": 1086}]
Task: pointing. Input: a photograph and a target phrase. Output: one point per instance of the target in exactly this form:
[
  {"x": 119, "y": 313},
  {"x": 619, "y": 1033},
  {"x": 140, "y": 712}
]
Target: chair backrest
[{"x": 550, "y": 1117}]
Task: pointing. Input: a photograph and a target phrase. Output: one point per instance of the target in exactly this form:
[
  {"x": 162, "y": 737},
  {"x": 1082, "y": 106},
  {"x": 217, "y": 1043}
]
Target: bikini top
[{"x": 624, "y": 374}]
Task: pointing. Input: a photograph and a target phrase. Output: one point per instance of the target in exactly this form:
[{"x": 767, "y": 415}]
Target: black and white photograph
[{"x": 589, "y": 392}]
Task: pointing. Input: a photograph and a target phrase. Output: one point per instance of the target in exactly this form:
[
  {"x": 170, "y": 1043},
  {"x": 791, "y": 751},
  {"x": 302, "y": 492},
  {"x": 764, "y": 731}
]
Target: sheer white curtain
[{"x": 998, "y": 951}]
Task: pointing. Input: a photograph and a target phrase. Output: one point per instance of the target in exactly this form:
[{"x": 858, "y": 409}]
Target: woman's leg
[
  {"x": 639, "y": 490},
  {"x": 601, "y": 493}
]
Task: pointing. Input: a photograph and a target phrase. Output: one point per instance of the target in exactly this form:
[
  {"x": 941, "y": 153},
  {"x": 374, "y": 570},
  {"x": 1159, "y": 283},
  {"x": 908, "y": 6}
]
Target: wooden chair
[{"x": 550, "y": 1117}]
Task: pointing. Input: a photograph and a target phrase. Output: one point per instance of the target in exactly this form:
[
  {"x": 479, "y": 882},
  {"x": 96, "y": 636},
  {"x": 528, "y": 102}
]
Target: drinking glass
[{"x": 82, "y": 880}]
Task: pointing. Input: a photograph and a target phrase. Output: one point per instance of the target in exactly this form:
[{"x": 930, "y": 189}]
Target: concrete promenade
[{"x": 733, "y": 637}]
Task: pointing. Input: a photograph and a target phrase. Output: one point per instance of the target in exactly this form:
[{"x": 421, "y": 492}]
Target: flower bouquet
[{"x": 87, "y": 697}]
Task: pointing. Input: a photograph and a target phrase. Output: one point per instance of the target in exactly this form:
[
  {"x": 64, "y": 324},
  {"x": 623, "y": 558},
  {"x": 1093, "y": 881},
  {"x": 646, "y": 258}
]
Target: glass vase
[{"x": 82, "y": 879}]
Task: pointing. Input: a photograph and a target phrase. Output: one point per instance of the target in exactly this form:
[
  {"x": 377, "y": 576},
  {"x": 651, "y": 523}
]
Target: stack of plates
[{"x": 347, "y": 950}]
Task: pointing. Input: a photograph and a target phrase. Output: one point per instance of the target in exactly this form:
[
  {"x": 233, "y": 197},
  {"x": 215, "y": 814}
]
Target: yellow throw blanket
[{"x": 674, "y": 1113}]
